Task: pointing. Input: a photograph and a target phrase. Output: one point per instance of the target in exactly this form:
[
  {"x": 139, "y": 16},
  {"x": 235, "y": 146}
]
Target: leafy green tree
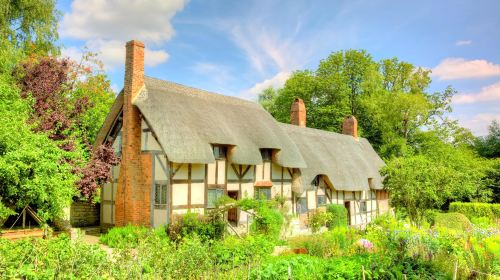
[
  {"x": 33, "y": 169},
  {"x": 30, "y": 24},
  {"x": 417, "y": 185},
  {"x": 389, "y": 98},
  {"x": 489, "y": 145}
]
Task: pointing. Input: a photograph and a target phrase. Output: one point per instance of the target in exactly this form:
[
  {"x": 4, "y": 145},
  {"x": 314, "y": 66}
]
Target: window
[
  {"x": 321, "y": 200},
  {"x": 263, "y": 193},
  {"x": 160, "y": 196},
  {"x": 301, "y": 205},
  {"x": 362, "y": 206},
  {"x": 220, "y": 152},
  {"x": 267, "y": 154},
  {"x": 212, "y": 196}
]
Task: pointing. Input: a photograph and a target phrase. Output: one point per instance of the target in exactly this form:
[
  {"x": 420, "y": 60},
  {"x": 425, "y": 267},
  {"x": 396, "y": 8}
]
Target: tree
[
  {"x": 30, "y": 25},
  {"x": 388, "y": 98},
  {"x": 33, "y": 169},
  {"x": 416, "y": 185},
  {"x": 70, "y": 103},
  {"x": 489, "y": 145}
]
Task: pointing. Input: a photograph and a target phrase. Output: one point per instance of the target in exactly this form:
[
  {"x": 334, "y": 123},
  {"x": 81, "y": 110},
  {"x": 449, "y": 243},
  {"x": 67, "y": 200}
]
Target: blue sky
[{"x": 241, "y": 47}]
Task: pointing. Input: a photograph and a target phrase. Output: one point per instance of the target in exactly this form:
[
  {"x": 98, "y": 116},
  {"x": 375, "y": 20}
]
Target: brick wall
[
  {"x": 350, "y": 126},
  {"x": 298, "y": 113},
  {"x": 83, "y": 214},
  {"x": 132, "y": 204}
]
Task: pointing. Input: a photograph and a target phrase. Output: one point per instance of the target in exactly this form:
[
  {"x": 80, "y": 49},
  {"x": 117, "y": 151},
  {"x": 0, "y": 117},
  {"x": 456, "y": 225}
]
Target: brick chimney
[
  {"x": 298, "y": 113},
  {"x": 350, "y": 127},
  {"x": 132, "y": 203}
]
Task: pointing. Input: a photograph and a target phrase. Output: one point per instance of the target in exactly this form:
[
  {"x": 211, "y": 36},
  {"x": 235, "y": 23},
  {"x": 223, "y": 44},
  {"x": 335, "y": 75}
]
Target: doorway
[
  {"x": 347, "y": 205},
  {"x": 232, "y": 214}
]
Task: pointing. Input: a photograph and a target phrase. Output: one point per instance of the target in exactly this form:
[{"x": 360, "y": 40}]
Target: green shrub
[
  {"x": 207, "y": 227},
  {"x": 318, "y": 219},
  {"x": 233, "y": 251},
  {"x": 476, "y": 210},
  {"x": 337, "y": 216},
  {"x": 55, "y": 258},
  {"x": 129, "y": 236},
  {"x": 456, "y": 221},
  {"x": 336, "y": 242},
  {"x": 268, "y": 221}
]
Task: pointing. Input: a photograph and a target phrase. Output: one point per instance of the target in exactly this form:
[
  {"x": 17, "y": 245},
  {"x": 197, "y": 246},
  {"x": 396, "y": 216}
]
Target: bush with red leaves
[
  {"x": 49, "y": 81},
  {"x": 97, "y": 171}
]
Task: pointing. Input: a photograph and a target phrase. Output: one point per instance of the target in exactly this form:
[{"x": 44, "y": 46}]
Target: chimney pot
[
  {"x": 298, "y": 113},
  {"x": 350, "y": 127}
]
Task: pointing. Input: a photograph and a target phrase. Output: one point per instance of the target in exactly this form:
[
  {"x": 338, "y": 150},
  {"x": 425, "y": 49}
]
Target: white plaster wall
[
  {"x": 179, "y": 194},
  {"x": 197, "y": 171},
  {"x": 221, "y": 172},
  {"x": 211, "y": 173},
  {"x": 197, "y": 193}
]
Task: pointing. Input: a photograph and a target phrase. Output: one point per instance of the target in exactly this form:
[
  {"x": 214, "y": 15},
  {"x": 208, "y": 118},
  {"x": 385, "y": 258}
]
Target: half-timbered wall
[{"x": 240, "y": 178}]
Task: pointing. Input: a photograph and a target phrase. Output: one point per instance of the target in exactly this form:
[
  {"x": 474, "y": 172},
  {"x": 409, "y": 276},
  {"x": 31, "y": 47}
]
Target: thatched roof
[
  {"x": 187, "y": 121},
  {"x": 346, "y": 162}
]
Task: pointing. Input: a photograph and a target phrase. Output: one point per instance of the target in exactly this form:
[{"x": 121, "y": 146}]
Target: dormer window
[
  {"x": 315, "y": 182},
  {"x": 220, "y": 152},
  {"x": 267, "y": 154}
]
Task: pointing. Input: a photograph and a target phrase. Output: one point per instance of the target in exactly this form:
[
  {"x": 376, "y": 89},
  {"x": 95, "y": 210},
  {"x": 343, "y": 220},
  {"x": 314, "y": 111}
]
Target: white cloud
[
  {"x": 147, "y": 20},
  {"x": 463, "y": 42},
  {"x": 459, "y": 68},
  {"x": 105, "y": 26},
  {"x": 112, "y": 53},
  {"x": 479, "y": 123},
  {"x": 488, "y": 93},
  {"x": 276, "y": 81}
]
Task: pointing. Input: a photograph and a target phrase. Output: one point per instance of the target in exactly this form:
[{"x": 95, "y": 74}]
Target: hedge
[
  {"x": 338, "y": 216},
  {"x": 457, "y": 221},
  {"x": 476, "y": 210}
]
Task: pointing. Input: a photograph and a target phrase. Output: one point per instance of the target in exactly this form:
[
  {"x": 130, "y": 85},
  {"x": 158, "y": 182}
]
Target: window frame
[
  {"x": 162, "y": 194},
  {"x": 266, "y": 154},
  {"x": 217, "y": 190},
  {"x": 363, "y": 204},
  {"x": 318, "y": 204},
  {"x": 222, "y": 151},
  {"x": 258, "y": 192}
]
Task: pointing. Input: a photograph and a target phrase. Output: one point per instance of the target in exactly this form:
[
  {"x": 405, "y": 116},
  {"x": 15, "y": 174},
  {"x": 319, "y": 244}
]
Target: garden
[{"x": 445, "y": 246}]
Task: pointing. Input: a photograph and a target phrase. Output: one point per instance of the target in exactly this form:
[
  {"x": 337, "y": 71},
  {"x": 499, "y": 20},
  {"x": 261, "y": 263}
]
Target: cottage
[{"x": 182, "y": 148}]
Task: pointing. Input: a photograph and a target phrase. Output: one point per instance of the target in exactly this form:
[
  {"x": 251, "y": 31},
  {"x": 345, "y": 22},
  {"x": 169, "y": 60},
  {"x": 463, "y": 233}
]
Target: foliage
[
  {"x": 30, "y": 24},
  {"x": 233, "y": 251},
  {"x": 489, "y": 145},
  {"x": 492, "y": 179},
  {"x": 317, "y": 219},
  {"x": 416, "y": 185},
  {"x": 268, "y": 221},
  {"x": 69, "y": 100},
  {"x": 338, "y": 216},
  {"x": 455, "y": 221},
  {"x": 33, "y": 169},
  {"x": 388, "y": 98},
  {"x": 128, "y": 236},
  {"x": 52, "y": 258},
  {"x": 336, "y": 242},
  {"x": 206, "y": 227},
  {"x": 97, "y": 171},
  {"x": 476, "y": 210}
]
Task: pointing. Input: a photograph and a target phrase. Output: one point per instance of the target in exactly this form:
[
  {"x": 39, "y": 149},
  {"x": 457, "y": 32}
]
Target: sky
[{"x": 239, "y": 48}]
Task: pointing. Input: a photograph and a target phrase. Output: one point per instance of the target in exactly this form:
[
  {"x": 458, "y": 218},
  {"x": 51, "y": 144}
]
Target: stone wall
[{"x": 83, "y": 214}]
